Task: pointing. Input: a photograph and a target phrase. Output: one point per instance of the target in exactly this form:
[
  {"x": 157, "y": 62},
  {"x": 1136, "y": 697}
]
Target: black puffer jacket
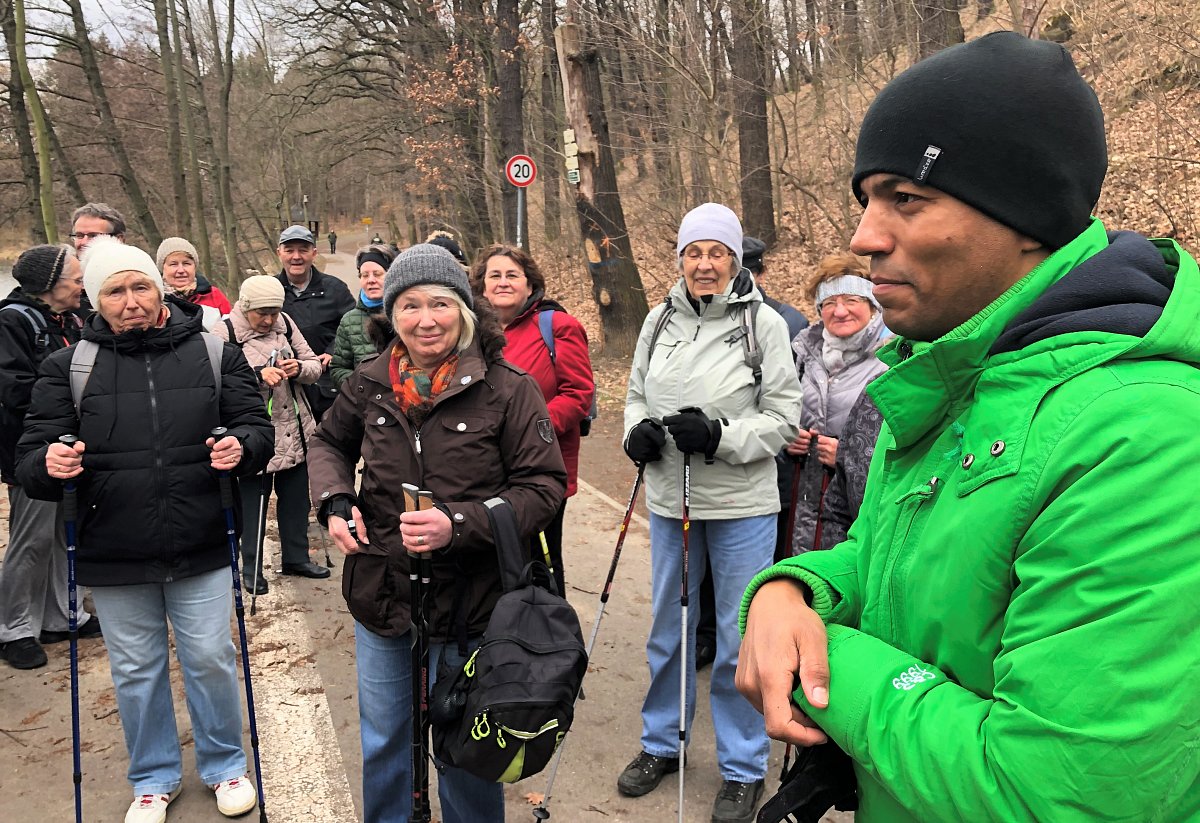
[
  {"x": 149, "y": 504},
  {"x": 22, "y": 351}
]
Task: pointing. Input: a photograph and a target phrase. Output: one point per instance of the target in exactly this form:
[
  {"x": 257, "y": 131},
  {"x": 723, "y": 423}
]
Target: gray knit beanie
[{"x": 424, "y": 264}]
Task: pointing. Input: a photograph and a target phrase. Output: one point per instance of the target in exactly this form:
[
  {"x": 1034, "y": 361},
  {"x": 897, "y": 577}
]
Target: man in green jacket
[{"x": 1010, "y": 630}]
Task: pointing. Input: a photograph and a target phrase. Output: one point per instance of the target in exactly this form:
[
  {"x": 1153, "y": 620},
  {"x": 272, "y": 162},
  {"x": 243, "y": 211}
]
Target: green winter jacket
[
  {"x": 1013, "y": 621},
  {"x": 352, "y": 344},
  {"x": 698, "y": 361}
]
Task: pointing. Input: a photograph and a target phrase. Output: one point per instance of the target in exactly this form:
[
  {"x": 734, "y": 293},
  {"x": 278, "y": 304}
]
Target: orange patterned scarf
[{"x": 416, "y": 389}]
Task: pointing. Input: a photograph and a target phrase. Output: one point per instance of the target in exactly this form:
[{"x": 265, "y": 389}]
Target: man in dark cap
[
  {"x": 37, "y": 318},
  {"x": 316, "y": 302},
  {"x": 1009, "y": 630}
]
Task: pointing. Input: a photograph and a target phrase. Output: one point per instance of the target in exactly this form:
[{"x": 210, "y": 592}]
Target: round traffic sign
[{"x": 520, "y": 170}]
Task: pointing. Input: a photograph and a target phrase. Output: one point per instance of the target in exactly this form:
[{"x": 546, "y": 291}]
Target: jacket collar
[
  {"x": 471, "y": 369},
  {"x": 739, "y": 291}
]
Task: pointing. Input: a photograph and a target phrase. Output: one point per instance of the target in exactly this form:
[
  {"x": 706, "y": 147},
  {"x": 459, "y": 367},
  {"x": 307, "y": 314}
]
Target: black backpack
[{"x": 502, "y": 715}]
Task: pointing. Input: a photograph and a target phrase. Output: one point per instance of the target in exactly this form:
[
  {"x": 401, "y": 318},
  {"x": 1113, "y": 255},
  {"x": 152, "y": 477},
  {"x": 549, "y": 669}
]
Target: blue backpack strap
[{"x": 546, "y": 327}]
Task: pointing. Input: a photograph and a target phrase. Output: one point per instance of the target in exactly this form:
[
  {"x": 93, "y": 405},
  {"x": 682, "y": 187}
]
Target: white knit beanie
[
  {"x": 171, "y": 245},
  {"x": 711, "y": 221},
  {"x": 106, "y": 256}
]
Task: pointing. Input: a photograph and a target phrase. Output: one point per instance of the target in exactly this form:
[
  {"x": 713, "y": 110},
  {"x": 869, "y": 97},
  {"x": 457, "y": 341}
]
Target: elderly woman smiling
[{"x": 441, "y": 409}]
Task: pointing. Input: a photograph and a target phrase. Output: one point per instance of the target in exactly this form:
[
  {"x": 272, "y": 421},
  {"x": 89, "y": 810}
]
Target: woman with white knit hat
[
  {"x": 180, "y": 266},
  {"x": 151, "y": 540}
]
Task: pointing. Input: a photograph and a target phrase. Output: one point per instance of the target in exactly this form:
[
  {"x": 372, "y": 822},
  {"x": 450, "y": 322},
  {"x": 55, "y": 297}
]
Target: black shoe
[
  {"x": 24, "y": 653},
  {"x": 644, "y": 773},
  {"x": 249, "y": 588},
  {"x": 88, "y": 629},
  {"x": 706, "y": 652},
  {"x": 306, "y": 569},
  {"x": 736, "y": 802}
]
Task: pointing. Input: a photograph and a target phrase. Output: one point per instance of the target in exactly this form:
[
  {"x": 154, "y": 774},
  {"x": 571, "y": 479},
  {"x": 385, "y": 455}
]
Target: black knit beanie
[
  {"x": 1003, "y": 123},
  {"x": 39, "y": 267}
]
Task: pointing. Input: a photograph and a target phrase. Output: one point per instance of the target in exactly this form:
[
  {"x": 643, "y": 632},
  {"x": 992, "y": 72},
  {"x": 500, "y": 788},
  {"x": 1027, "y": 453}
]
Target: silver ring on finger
[{"x": 420, "y": 540}]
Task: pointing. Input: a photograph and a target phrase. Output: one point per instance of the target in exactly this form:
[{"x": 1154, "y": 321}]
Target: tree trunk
[
  {"x": 174, "y": 149},
  {"x": 64, "y": 165},
  {"x": 197, "y": 233},
  {"x": 616, "y": 283},
  {"x": 511, "y": 121},
  {"x": 40, "y": 126},
  {"x": 748, "y": 61},
  {"x": 223, "y": 61},
  {"x": 939, "y": 25},
  {"x": 548, "y": 170},
  {"x": 108, "y": 128},
  {"x": 23, "y": 129}
]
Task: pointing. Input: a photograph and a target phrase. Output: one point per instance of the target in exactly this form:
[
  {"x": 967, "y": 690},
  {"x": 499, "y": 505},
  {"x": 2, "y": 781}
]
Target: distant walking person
[
  {"x": 36, "y": 320},
  {"x": 332, "y": 237},
  {"x": 316, "y": 302},
  {"x": 152, "y": 541}
]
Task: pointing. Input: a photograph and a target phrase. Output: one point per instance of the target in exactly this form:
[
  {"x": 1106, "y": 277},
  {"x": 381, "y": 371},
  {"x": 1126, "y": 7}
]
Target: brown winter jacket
[
  {"x": 286, "y": 397},
  {"x": 488, "y": 434}
]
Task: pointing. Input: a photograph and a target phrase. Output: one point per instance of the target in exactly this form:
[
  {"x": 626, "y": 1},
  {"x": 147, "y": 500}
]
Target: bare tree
[
  {"x": 749, "y": 85},
  {"x": 39, "y": 122}
]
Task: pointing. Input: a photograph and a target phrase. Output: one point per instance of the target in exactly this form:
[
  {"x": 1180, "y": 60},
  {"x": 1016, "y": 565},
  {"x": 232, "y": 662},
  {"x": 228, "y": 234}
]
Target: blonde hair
[
  {"x": 466, "y": 335},
  {"x": 833, "y": 266}
]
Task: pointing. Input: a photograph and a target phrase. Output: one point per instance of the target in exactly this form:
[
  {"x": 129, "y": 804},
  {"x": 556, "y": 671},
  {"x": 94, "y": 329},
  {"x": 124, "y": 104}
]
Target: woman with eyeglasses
[
  {"x": 696, "y": 400},
  {"x": 836, "y": 360}
]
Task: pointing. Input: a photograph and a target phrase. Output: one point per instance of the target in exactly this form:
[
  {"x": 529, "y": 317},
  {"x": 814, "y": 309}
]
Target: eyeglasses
[
  {"x": 717, "y": 255},
  {"x": 91, "y": 235},
  {"x": 497, "y": 276},
  {"x": 850, "y": 301}
]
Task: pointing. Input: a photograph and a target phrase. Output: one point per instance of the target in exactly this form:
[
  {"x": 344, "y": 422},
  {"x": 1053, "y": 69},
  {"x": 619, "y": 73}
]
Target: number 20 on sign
[{"x": 520, "y": 170}]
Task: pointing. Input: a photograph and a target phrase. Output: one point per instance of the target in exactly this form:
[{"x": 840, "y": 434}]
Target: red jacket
[
  {"x": 206, "y": 294},
  {"x": 568, "y": 386}
]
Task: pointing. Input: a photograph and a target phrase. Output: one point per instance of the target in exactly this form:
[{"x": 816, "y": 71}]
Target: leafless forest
[{"x": 221, "y": 121}]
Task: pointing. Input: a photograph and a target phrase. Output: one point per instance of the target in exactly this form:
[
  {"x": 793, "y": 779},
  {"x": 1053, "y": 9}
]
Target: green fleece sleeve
[
  {"x": 831, "y": 576},
  {"x": 1094, "y": 714}
]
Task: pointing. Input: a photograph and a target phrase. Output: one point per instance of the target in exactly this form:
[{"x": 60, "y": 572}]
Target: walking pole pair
[
  {"x": 70, "y": 514},
  {"x": 259, "y": 537},
  {"x": 542, "y": 812},
  {"x": 420, "y": 572},
  {"x": 240, "y": 610},
  {"x": 304, "y": 451}
]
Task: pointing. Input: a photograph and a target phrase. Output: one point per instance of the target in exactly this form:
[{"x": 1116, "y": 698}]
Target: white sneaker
[
  {"x": 150, "y": 808},
  {"x": 235, "y": 796}
]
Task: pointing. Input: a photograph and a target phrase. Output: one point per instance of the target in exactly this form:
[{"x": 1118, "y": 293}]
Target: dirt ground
[{"x": 302, "y": 652}]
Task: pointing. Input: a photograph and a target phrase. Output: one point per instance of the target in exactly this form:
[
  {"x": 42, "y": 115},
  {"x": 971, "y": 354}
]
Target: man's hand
[
  {"x": 272, "y": 376},
  {"x": 799, "y": 446},
  {"x": 226, "y": 453},
  {"x": 827, "y": 450},
  {"x": 291, "y": 368},
  {"x": 64, "y": 462},
  {"x": 784, "y": 637},
  {"x": 425, "y": 530},
  {"x": 339, "y": 530},
  {"x": 325, "y": 359}
]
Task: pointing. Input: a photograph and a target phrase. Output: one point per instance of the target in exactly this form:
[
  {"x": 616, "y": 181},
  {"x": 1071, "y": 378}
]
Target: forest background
[{"x": 223, "y": 120}]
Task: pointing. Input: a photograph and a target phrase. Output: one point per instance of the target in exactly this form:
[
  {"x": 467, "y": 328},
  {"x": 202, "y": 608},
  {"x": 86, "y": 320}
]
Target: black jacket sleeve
[
  {"x": 51, "y": 414},
  {"x": 855, "y": 449}
]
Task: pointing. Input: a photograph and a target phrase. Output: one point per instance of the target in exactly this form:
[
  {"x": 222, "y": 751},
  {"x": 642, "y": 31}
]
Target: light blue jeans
[
  {"x": 385, "y": 720},
  {"x": 738, "y": 550},
  {"x": 135, "y": 631}
]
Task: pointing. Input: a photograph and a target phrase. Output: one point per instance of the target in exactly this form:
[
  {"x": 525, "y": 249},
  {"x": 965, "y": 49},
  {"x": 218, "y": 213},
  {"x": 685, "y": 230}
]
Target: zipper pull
[{"x": 417, "y": 440}]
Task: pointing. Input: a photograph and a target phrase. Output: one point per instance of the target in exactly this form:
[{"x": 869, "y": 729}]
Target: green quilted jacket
[
  {"x": 352, "y": 344},
  {"x": 1013, "y": 619}
]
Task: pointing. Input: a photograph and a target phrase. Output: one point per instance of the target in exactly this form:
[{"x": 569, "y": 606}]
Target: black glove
[
  {"x": 645, "y": 442},
  {"x": 694, "y": 433}
]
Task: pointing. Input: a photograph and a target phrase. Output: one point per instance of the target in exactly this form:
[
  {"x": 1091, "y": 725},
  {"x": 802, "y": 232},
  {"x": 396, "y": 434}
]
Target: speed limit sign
[{"x": 520, "y": 170}]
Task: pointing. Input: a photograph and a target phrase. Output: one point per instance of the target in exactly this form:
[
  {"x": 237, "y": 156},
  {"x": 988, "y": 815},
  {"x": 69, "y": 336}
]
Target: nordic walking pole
[
  {"x": 798, "y": 464},
  {"x": 240, "y": 611},
  {"x": 259, "y": 537},
  {"x": 70, "y": 513},
  {"x": 542, "y": 812},
  {"x": 421, "y": 811},
  {"x": 683, "y": 623}
]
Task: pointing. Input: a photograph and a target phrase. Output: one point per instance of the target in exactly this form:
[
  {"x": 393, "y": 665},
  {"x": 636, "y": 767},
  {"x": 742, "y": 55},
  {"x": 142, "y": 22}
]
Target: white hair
[{"x": 469, "y": 321}]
